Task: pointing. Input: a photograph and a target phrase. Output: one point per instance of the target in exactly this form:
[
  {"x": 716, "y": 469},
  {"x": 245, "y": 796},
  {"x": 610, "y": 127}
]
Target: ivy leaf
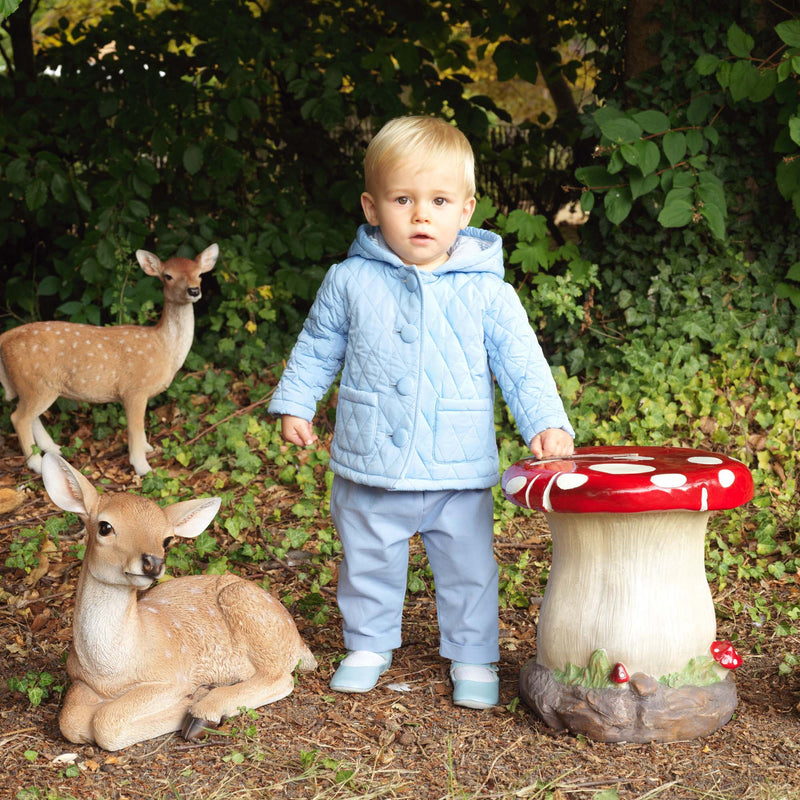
[
  {"x": 739, "y": 42},
  {"x": 618, "y": 204},
  {"x": 789, "y": 32},
  {"x": 677, "y": 210},
  {"x": 620, "y": 130},
  {"x": 674, "y": 144}
]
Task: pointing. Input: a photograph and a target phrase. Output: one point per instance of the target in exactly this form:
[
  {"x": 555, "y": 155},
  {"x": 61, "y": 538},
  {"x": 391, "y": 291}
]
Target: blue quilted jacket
[{"x": 417, "y": 352}]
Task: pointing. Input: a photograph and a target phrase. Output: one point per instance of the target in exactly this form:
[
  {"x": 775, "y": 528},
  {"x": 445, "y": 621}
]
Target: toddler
[{"x": 420, "y": 321}]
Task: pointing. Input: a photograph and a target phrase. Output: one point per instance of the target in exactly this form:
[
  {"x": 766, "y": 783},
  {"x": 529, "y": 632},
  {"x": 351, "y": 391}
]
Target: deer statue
[
  {"x": 186, "y": 654},
  {"x": 42, "y": 361}
]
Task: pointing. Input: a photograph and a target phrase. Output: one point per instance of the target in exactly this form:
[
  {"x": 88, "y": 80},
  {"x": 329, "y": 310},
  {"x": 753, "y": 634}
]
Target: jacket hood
[{"x": 475, "y": 250}]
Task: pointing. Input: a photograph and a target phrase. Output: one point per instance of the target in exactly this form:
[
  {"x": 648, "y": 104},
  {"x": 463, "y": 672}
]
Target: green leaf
[
  {"x": 594, "y": 177},
  {"x": 744, "y": 79},
  {"x": 694, "y": 141},
  {"x": 652, "y": 121},
  {"x": 621, "y": 130},
  {"x": 674, "y": 144},
  {"x": 59, "y": 186},
  {"x": 644, "y": 184},
  {"x": 794, "y": 272},
  {"x": 649, "y": 156},
  {"x": 506, "y": 57},
  {"x": 677, "y": 210},
  {"x": 618, "y": 204},
  {"x": 587, "y": 202},
  {"x": 794, "y": 129},
  {"x": 764, "y": 87},
  {"x": 49, "y": 286},
  {"x": 630, "y": 154},
  {"x": 193, "y": 159},
  {"x": 715, "y": 218},
  {"x": 699, "y": 108},
  {"x": 706, "y": 64},
  {"x": 8, "y": 7},
  {"x": 739, "y": 42},
  {"x": 789, "y": 32},
  {"x": 35, "y": 194}
]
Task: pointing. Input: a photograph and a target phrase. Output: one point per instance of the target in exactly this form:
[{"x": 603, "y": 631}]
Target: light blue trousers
[{"x": 375, "y": 525}]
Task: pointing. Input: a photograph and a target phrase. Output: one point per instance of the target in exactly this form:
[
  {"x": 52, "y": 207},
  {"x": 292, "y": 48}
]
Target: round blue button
[
  {"x": 409, "y": 333},
  {"x": 411, "y": 282},
  {"x": 405, "y": 385},
  {"x": 400, "y": 438}
]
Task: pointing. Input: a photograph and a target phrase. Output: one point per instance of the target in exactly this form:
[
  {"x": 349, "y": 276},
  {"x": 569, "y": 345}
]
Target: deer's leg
[
  {"x": 135, "y": 408},
  {"x": 143, "y": 712},
  {"x": 266, "y": 638},
  {"x": 80, "y": 705},
  {"x": 224, "y": 702},
  {"x": 25, "y": 419},
  {"x": 43, "y": 438}
]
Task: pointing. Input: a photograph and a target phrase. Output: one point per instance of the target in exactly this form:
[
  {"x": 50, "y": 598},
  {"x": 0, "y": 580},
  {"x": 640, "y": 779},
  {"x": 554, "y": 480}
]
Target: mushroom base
[{"x": 644, "y": 710}]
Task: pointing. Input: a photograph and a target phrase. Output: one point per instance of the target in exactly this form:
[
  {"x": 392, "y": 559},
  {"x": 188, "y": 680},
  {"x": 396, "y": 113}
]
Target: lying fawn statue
[
  {"x": 186, "y": 654},
  {"x": 42, "y": 361}
]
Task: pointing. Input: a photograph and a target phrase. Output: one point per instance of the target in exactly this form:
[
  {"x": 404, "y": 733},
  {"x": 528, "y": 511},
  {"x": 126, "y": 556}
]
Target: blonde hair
[{"x": 427, "y": 139}]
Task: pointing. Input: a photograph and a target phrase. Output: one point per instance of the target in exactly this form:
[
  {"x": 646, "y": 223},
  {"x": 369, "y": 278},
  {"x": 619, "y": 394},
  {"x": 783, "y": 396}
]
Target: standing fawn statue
[
  {"x": 42, "y": 361},
  {"x": 186, "y": 654}
]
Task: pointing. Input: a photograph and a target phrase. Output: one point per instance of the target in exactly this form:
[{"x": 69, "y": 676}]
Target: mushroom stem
[{"x": 632, "y": 584}]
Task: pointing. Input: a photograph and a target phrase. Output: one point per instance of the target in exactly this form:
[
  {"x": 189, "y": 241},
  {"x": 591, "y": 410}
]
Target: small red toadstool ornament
[
  {"x": 725, "y": 655},
  {"x": 619, "y": 674}
]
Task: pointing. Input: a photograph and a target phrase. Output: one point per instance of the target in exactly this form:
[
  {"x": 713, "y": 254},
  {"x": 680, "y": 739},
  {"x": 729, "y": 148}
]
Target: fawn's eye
[
  {"x": 105, "y": 529},
  {"x": 168, "y": 541},
  {"x": 167, "y": 276}
]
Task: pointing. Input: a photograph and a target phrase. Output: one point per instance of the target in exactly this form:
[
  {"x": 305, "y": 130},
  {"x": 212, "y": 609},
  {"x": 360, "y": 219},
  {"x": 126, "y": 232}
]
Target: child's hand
[
  {"x": 552, "y": 443},
  {"x": 297, "y": 430}
]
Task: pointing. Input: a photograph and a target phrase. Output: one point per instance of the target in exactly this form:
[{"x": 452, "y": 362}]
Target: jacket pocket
[
  {"x": 464, "y": 430},
  {"x": 356, "y": 420}
]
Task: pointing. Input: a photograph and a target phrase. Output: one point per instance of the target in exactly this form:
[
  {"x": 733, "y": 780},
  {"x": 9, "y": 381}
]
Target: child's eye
[
  {"x": 439, "y": 201},
  {"x": 403, "y": 201}
]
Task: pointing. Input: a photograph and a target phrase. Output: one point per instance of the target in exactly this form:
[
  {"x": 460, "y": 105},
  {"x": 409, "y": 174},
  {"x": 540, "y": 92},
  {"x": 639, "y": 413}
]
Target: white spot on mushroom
[
  {"x": 668, "y": 480},
  {"x": 704, "y": 460},
  {"x": 622, "y": 469},
  {"x": 571, "y": 480},
  {"x": 726, "y": 478},
  {"x": 515, "y": 484},
  {"x": 704, "y": 499}
]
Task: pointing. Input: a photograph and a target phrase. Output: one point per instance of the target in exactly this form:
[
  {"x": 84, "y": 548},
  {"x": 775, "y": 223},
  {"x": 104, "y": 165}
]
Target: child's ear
[
  {"x": 466, "y": 214},
  {"x": 370, "y": 212}
]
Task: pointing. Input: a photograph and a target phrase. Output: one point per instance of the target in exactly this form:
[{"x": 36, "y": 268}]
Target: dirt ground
[{"x": 405, "y": 739}]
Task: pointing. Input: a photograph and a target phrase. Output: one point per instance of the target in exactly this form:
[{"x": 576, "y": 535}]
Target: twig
[{"x": 238, "y": 413}]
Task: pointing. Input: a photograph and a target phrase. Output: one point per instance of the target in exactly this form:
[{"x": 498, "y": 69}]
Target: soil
[{"x": 404, "y": 739}]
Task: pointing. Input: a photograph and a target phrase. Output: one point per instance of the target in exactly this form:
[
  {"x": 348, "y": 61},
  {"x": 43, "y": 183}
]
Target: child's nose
[{"x": 422, "y": 212}]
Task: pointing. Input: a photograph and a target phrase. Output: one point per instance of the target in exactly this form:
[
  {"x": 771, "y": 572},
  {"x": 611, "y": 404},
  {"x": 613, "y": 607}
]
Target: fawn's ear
[
  {"x": 67, "y": 488},
  {"x": 191, "y": 517},
  {"x": 208, "y": 257},
  {"x": 149, "y": 262}
]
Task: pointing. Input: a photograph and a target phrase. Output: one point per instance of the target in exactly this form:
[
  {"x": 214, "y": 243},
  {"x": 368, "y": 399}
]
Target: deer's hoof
[
  {"x": 194, "y": 728},
  {"x": 34, "y": 463}
]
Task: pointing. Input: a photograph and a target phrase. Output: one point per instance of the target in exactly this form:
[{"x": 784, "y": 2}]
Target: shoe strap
[{"x": 480, "y": 673}]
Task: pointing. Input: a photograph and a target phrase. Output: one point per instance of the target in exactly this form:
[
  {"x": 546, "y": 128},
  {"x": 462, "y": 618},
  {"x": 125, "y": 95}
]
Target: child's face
[{"x": 420, "y": 210}]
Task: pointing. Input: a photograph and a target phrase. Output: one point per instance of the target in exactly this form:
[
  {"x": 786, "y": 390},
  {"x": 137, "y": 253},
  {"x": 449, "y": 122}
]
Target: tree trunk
[
  {"x": 640, "y": 26},
  {"x": 19, "y": 30}
]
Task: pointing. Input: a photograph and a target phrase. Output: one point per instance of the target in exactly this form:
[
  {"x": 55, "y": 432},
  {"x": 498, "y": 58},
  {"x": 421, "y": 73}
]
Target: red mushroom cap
[
  {"x": 725, "y": 655},
  {"x": 619, "y": 674},
  {"x": 625, "y": 479}
]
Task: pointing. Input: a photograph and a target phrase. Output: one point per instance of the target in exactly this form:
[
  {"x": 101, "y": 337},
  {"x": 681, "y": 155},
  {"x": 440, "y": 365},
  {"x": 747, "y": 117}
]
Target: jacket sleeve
[
  {"x": 521, "y": 370},
  {"x": 318, "y": 354}
]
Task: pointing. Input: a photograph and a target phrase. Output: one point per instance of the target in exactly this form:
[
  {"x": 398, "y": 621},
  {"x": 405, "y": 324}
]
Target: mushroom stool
[{"x": 625, "y": 646}]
